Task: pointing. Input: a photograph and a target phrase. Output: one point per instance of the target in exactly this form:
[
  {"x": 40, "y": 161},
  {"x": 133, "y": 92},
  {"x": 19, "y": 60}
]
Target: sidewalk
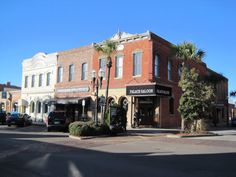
[{"x": 151, "y": 131}]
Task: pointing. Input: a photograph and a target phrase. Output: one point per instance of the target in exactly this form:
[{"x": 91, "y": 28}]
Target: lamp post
[{"x": 97, "y": 82}]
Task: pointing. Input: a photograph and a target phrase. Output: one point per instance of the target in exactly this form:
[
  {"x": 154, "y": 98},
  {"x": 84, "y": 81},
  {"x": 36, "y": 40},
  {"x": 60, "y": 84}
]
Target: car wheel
[{"x": 9, "y": 125}]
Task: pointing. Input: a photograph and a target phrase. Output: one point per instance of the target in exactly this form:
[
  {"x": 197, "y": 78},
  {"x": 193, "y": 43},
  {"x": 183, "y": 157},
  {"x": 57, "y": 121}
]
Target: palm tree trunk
[{"x": 109, "y": 64}]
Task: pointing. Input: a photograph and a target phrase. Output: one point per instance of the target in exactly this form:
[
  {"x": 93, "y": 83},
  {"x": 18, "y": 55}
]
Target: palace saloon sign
[{"x": 148, "y": 90}]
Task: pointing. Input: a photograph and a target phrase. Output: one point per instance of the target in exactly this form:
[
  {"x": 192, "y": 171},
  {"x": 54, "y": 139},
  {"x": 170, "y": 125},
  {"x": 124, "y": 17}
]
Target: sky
[{"x": 31, "y": 26}]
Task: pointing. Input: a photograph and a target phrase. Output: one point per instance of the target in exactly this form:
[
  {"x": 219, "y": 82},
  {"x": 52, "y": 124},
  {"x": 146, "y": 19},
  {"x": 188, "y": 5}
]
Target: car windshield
[
  {"x": 15, "y": 115},
  {"x": 57, "y": 114}
]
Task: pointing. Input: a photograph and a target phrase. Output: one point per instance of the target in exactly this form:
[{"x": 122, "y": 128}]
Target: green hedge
[{"x": 89, "y": 128}]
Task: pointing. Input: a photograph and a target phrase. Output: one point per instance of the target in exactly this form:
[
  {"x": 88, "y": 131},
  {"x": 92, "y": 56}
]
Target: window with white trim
[
  {"x": 119, "y": 66},
  {"x": 137, "y": 63}
]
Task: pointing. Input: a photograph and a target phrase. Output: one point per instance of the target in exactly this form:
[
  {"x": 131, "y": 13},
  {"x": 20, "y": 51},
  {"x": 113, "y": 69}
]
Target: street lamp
[{"x": 97, "y": 82}]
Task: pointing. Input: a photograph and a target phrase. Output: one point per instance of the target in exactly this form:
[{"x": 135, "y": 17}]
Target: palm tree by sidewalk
[
  {"x": 184, "y": 52},
  {"x": 107, "y": 48}
]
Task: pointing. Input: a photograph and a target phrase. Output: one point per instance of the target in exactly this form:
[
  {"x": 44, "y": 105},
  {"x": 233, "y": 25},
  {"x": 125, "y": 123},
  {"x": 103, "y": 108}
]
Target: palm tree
[
  {"x": 233, "y": 93},
  {"x": 186, "y": 51},
  {"x": 107, "y": 48}
]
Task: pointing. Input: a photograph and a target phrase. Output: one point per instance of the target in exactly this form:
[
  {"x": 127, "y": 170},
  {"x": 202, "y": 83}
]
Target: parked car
[
  {"x": 233, "y": 122},
  {"x": 3, "y": 117},
  {"x": 18, "y": 119},
  {"x": 57, "y": 120}
]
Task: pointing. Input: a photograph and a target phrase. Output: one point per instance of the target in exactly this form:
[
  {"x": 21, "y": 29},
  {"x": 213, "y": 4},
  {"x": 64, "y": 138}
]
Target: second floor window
[
  {"x": 137, "y": 63},
  {"x": 59, "y": 74},
  {"x": 102, "y": 65},
  {"x": 33, "y": 81},
  {"x": 169, "y": 70},
  {"x": 180, "y": 70},
  {"x": 26, "y": 81},
  {"x": 71, "y": 72},
  {"x": 119, "y": 66},
  {"x": 48, "y": 79},
  {"x": 156, "y": 66},
  {"x": 84, "y": 71},
  {"x": 40, "y": 80}
]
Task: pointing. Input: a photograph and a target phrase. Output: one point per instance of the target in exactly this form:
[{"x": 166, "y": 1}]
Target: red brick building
[
  {"x": 9, "y": 96},
  {"x": 73, "y": 81},
  {"x": 143, "y": 78}
]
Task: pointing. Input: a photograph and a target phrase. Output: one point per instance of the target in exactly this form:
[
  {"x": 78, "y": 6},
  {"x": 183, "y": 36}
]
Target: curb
[
  {"x": 86, "y": 137},
  {"x": 191, "y": 136}
]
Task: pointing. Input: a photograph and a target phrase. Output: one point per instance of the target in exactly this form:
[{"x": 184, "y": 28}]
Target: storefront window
[{"x": 39, "y": 107}]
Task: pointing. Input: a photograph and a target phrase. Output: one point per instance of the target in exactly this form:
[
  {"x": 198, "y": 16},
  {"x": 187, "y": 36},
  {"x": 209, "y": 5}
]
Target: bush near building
[{"x": 80, "y": 128}]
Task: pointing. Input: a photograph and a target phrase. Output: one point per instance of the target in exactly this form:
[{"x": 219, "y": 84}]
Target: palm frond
[
  {"x": 233, "y": 93},
  {"x": 107, "y": 48},
  {"x": 187, "y": 51}
]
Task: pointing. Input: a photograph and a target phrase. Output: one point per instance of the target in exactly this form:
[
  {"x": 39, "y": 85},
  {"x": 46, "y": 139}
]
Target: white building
[{"x": 38, "y": 81}]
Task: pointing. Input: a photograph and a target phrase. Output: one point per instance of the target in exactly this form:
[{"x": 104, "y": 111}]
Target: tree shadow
[{"x": 47, "y": 159}]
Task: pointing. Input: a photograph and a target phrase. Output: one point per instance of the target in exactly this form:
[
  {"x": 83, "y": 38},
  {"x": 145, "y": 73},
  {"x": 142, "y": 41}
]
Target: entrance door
[{"x": 146, "y": 110}]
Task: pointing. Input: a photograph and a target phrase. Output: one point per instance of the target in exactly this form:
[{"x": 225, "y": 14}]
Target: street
[{"x": 33, "y": 152}]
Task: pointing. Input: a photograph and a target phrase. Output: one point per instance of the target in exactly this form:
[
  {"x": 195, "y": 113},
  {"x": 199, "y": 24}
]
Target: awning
[{"x": 22, "y": 102}]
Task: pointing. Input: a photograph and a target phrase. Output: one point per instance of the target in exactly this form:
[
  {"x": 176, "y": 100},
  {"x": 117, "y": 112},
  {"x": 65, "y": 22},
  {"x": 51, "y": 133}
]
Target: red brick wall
[
  {"x": 76, "y": 57},
  {"x": 129, "y": 48}
]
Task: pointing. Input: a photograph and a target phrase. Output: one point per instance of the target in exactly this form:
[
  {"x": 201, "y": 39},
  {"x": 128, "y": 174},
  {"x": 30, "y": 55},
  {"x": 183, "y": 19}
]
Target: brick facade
[{"x": 155, "y": 109}]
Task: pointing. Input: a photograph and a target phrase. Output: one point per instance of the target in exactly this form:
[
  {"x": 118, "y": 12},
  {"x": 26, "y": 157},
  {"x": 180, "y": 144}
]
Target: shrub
[{"x": 89, "y": 128}]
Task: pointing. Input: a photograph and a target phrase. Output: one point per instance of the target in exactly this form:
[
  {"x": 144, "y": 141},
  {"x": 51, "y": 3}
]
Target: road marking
[{"x": 6, "y": 154}]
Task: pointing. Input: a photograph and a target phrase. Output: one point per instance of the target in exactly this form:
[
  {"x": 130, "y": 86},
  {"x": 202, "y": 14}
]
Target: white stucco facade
[{"x": 39, "y": 75}]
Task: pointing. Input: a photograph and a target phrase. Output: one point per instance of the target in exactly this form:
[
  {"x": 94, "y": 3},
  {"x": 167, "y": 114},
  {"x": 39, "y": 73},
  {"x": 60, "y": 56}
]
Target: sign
[
  {"x": 83, "y": 102},
  {"x": 163, "y": 90},
  {"x": 148, "y": 90},
  {"x": 73, "y": 90},
  {"x": 141, "y": 90}
]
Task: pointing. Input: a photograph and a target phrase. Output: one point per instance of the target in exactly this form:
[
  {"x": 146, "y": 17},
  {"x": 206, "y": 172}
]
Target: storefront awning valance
[
  {"x": 22, "y": 102},
  {"x": 71, "y": 100},
  {"x": 148, "y": 90}
]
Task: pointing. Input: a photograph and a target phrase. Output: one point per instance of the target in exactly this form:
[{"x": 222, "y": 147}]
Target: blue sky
[{"x": 31, "y": 26}]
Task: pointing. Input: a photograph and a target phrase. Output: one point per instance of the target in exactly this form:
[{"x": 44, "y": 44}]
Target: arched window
[
  {"x": 39, "y": 107},
  {"x": 45, "y": 108},
  {"x": 123, "y": 102},
  {"x": 32, "y": 107}
]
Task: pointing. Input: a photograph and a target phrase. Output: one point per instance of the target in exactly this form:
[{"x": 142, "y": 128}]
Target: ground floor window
[
  {"x": 45, "y": 108},
  {"x": 39, "y": 107}
]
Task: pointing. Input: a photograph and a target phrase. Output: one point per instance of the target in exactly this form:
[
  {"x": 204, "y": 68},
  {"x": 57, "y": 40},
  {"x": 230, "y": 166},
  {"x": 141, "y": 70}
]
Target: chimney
[{"x": 8, "y": 83}]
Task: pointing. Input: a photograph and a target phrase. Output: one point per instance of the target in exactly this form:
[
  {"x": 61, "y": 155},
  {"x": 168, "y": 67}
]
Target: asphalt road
[{"x": 32, "y": 152}]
